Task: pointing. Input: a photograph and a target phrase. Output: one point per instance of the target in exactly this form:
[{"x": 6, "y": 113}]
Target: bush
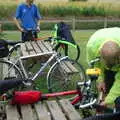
[
  {"x": 61, "y": 9},
  {"x": 79, "y": 25}
]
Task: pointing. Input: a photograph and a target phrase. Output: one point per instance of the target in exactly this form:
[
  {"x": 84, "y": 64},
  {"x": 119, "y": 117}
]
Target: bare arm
[
  {"x": 38, "y": 23},
  {"x": 18, "y": 24}
]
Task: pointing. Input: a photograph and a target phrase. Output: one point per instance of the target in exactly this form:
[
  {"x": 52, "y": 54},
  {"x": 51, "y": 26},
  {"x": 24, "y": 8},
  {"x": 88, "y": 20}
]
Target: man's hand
[
  {"x": 21, "y": 29},
  {"x": 103, "y": 104},
  {"x": 101, "y": 108},
  {"x": 101, "y": 87},
  {"x": 38, "y": 29}
]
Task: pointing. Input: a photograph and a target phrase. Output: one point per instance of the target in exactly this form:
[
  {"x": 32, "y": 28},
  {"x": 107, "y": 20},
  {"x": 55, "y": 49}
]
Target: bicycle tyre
[
  {"x": 13, "y": 52},
  {"x": 106, "y": 116},
  {"x": 89, "y": 95},
  {"x": 11, "y": 70},
  {"x": 57, "y": 78},
  {"x": 66, "y": 50}
]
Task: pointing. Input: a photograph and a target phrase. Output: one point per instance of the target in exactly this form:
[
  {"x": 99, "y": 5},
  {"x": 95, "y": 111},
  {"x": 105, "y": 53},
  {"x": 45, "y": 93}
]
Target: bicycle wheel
[
  {"x": 90, "y": 95},
  {"x": 14, "y": 52},
  {"x": 106, "y": 116},
  {"x": 64, "y": 75},
  {"x": 9, "y": 70},
  {"x": 66, "y": 50}
]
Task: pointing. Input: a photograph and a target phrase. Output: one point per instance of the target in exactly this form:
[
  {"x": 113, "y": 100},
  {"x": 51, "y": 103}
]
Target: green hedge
[{"x": 79, "y": 25}]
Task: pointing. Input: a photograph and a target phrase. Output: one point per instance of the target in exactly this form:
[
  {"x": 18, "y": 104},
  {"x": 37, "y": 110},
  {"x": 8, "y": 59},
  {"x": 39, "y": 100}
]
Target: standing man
[
  {"x": 105, "y": 44},
  {"x": 27, "y": 18}
]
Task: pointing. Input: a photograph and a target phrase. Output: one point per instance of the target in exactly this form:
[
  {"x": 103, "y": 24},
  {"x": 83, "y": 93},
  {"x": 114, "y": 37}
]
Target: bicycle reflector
[
  {"x": 26, "y": 97},
  {"x": 94, "y": 71}
]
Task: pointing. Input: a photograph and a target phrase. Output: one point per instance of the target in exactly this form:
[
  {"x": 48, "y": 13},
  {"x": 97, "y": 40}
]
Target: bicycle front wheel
[
  {"x": 64, "y": 75},
  {"x": 9, "y": 70}
]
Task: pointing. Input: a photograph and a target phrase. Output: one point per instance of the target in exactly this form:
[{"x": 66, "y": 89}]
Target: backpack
[
  {"x": 4, "y": 51},
  {"x": 64, "y": 33}
]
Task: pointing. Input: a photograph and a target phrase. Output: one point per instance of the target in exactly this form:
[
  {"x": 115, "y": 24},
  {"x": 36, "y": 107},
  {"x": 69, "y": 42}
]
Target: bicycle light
[{"x": 94, "y": 71}]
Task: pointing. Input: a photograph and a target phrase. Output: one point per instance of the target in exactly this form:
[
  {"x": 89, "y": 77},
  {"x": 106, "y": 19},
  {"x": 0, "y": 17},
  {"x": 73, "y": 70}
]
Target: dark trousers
[
  {"x": 109, "y": 79},
  {"x": 29, "y": 36}
]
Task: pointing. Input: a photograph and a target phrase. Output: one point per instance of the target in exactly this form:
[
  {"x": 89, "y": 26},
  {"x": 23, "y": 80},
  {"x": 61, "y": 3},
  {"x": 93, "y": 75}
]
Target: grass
[{"x": 81, "y": 37}]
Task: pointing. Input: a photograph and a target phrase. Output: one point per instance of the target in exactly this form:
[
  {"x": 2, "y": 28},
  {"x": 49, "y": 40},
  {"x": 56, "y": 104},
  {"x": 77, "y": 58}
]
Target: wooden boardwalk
[{"x": 47, "y": 110}]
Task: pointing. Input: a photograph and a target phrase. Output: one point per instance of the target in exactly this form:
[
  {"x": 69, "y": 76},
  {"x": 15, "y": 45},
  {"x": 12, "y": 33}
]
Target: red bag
[{"x": 26, "y": 97}]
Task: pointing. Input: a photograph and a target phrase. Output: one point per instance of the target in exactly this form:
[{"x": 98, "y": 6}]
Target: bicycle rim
[
  {"x": 60, "y": 80},
  {"x": 9, "y": 71}
]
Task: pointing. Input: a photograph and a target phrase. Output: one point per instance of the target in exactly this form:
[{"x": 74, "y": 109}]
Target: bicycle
[
  {"x": 83, "y": 93},
  {"x": 80, "y": 92},
  {"x": 67, "y": 78}
]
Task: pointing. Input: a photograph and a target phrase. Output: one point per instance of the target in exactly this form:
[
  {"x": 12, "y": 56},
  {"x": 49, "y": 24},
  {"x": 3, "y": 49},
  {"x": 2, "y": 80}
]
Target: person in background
[
  {"x": 105, "y": 44},
  {"x": 27, "y": 18}
]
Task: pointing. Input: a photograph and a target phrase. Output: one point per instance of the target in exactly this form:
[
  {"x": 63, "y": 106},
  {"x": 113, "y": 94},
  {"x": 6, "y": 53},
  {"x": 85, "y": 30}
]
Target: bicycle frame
[
  {"x": 39, "y": 72},
  {"x": 43, "y": 67},
  {"x": 65, "y": 93}
]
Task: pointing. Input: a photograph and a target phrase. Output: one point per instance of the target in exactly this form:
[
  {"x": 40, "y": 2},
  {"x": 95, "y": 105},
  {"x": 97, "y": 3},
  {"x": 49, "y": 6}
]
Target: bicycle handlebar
[
  {"x": 5, "y": 85},
  {"x": 12, "y": 43}
]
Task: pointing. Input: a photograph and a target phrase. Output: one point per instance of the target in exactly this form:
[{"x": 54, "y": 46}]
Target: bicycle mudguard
[
  {"x": 26, "y": 97},
  {"x": 6, "y": 85}
]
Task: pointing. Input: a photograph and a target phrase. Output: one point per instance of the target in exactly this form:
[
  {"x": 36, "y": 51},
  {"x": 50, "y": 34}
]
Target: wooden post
[
  {"x": 73, "y": 23},
  {"x": 0, "y": 27},
  {"x": 105, "y": 22}
]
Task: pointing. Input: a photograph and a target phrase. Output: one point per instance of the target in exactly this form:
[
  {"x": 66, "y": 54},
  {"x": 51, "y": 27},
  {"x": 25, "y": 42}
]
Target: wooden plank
[
  {"x": 42, "y": 111},
  {"x": 27, "y": 113},
  {"x": 72, "y": 67},
  {"x": 43, "y": 48},
  {"x": 11, "y": 112},
  {"x": 69, "y": 110},
  {"x": 55, "y": 110},
  {"x": 29, "y": 48},
  {"x": 23, "y": 50},
  {"x": 48, "y": 46},
  {"x": 36, "y": 48},
  {"x": 65, "y": 67}
]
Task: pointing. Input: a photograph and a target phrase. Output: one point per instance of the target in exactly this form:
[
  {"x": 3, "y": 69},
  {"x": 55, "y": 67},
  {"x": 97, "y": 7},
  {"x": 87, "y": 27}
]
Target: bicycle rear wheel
[
  {"x": 64, "y": 75},
  {"x": 66, "y": 50},
  {"x": 8, "y": 70},
  {"x": 14, "y": 52}
]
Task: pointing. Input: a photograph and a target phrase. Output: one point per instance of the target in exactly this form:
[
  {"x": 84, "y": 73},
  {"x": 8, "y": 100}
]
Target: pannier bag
[
  {"x": 4, "y": 51},
  {"x": 63, "y": 34}
]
